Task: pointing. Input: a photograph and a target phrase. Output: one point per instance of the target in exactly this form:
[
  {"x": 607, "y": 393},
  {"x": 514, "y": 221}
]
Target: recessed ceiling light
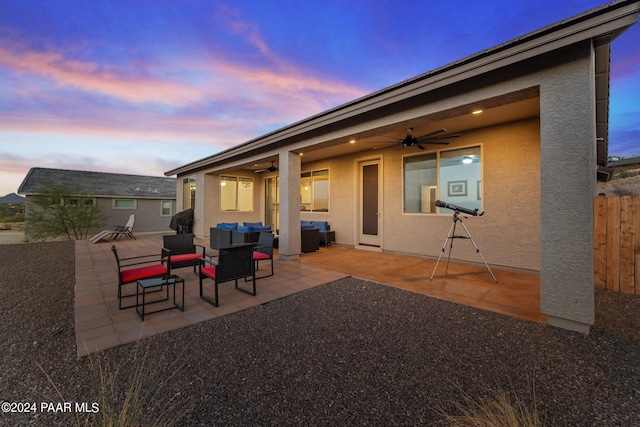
[
  {"x": 466, "y": 160},
  {"x": 353, "y": 141},
  {"x": 477, "y": 111}
]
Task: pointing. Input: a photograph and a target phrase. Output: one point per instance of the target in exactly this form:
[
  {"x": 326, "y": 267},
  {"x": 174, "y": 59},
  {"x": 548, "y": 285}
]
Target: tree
[{"x": 59, "y": 211}]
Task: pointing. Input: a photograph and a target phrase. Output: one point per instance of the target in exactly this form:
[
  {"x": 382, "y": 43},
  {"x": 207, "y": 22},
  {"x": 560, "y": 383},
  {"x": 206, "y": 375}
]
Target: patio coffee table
[{"x": 146, "y": 286}]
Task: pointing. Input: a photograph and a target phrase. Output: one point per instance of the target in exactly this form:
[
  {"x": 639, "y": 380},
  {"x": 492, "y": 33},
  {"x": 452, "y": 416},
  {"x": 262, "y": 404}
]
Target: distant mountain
[{"x": 12, "y": 199}]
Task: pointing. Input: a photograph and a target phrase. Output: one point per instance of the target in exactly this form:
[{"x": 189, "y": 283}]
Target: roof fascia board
[{"x": 588, "y": 26}]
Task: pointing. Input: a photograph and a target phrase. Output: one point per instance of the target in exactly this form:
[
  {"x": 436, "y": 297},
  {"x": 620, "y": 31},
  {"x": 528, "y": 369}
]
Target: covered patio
[{"x": 101, "y": 325}]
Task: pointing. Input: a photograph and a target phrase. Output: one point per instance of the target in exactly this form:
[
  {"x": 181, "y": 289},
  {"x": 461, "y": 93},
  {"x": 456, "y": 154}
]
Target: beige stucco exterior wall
[
  {"x": 568, "y": 159},
  {"x": 508, "y": 234}
]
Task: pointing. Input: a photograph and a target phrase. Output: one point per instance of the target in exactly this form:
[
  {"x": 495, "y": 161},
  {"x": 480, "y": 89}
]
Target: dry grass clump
[{"x": 497, "y": 410}]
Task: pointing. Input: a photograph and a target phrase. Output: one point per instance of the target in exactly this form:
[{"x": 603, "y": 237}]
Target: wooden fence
[{"x": 616, "y": 243}]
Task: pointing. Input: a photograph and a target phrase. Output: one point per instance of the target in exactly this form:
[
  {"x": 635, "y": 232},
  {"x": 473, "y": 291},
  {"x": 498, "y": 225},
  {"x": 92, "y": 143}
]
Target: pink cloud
[{"x": 89, "y": 76}]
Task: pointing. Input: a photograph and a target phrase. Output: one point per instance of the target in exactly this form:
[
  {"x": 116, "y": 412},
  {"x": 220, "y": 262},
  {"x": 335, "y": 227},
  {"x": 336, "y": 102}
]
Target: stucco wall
[
  {"x": 147, "y": 212},
  {"x": 568, "y": 151},
  {"x": 508, "y": 234}
]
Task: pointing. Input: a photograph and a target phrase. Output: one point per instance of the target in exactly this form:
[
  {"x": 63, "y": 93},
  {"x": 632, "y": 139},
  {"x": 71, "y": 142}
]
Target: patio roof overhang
[{"x": 335, "y": 127}]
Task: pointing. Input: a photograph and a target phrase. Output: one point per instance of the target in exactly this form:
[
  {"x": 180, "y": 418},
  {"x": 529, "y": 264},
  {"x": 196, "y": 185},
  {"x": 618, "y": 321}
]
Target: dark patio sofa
[
  {"x": 324, "y": 229},
  {"x": 248, "y": 232},
  {"x": 223, "y": 235},
  {"x": 309, "y": 238}
]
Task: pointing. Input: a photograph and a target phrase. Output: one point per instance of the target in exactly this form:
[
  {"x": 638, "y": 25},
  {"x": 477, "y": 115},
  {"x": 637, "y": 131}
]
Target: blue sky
[{"x": 146, "y": 86}]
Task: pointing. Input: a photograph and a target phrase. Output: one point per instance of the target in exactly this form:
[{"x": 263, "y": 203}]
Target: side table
[
  {"x": 326, "y": 237},
  {"x": 142, "y": 289}
]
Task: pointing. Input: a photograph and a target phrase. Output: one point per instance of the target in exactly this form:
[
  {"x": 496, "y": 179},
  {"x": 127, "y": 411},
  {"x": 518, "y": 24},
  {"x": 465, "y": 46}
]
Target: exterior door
[{"x": 370, "y": 216}]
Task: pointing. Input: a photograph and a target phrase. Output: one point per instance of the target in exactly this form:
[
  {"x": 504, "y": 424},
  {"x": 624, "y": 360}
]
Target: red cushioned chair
[
  {"x": 264, "y": 251},
  {"x": 235, "y": 262},
  {"x": 183, "y": 251},
  {"x": 132, "y": 269}
]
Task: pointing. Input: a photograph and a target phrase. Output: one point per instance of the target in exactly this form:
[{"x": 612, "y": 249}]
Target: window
[
  {"x": 124, "y": 204},
  {"x": 314, "y": 191},
  {"x": 166, "y": 206},
  {"x": 450, "y": 175},
  {"x": 236, "y": 193},
  {"x": 189, "y": 193},
  {"x": 80, "y": 202}
]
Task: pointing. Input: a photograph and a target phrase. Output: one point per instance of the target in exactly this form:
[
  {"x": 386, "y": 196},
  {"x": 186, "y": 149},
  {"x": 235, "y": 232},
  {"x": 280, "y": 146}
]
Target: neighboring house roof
[
  {"x": 99, "y": 184},
  {"x": 602, "y": 25},
  {"x": 12, "y": 199}
]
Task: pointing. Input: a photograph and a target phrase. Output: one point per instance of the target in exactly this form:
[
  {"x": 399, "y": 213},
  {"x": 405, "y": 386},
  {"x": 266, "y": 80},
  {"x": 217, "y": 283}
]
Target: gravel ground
[{"x": 350, "y": 352}]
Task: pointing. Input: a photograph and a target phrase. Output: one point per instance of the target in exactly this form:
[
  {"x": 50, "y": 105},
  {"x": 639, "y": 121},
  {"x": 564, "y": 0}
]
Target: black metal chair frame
[
  {"x": 234, "y": 263},
  {"x": 182, "y": 244},
  {"x": 264, "y": 246},
  {"x": 139, "y": 263}
]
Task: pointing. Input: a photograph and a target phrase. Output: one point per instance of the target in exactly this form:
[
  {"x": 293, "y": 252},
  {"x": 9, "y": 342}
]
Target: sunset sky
[{"x": 143, "y": 87}]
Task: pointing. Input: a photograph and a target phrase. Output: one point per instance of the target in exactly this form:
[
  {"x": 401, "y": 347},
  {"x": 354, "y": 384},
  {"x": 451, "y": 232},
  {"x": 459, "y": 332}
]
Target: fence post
[{"x": 600, "y": 242}]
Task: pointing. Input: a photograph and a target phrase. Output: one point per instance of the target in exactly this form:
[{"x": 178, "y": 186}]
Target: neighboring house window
[
  {"x": 314, "y": 191},
  {"x": 124, "y": 203},
  {"x": 453, "y": 176},
  {"x": 189, "y": 193},
  {"x": 166, "y": 208},
  {"x": 80, "y": 202},
  {"x": 236, "y": 193}
]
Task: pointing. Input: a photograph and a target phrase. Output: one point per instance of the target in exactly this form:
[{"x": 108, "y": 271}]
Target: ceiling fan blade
[
  {"x": 435, "y": 132},
  {"x": 434, "y": 142},
  {"x": 435, "y": 138}
]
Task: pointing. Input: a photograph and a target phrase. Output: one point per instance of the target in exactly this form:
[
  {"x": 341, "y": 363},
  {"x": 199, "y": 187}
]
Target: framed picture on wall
[{"x": 457, "y": 188}]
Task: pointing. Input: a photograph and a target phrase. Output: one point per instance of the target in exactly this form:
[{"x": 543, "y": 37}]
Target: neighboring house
[
  {"x": 532, "y": 115},
  {"x": 151, "y": 198}
]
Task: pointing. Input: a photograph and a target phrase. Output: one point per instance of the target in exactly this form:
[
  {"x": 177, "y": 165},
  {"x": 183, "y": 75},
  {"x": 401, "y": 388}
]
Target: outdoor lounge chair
[
  {"x": 125, "y": 230},
  {"x": 117, "y": 232},
  {"x": 132, "y": 269},
  {"x": 234, "y": 263},
  {"x": 264, "y": 251},
  {"x": 183, "y": 251}
]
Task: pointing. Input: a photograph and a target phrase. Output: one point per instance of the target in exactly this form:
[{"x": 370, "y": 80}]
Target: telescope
[{"x": 458, "y": 209}]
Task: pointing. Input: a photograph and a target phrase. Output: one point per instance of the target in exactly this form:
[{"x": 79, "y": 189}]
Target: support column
[
  {"x": 568, "y": 186},
  {"x": 289, "y": 237}
]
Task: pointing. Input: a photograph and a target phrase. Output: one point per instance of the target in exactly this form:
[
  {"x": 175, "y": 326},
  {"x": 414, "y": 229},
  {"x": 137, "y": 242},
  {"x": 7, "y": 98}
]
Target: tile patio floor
[{"x": 101, "y": 325}]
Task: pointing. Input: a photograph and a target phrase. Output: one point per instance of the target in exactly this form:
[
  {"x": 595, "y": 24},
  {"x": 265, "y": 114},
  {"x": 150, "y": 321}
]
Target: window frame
[
  {"x": 311, "y": 189},
  {"x": 78, "y": 201},
  {"x": 237, "y": 179},
  {"x": 438, "y": 184},
  {"x": 189, "y": 192},
  {"x": 114, "y": 204},
  {"x": 162, "y": 202}
]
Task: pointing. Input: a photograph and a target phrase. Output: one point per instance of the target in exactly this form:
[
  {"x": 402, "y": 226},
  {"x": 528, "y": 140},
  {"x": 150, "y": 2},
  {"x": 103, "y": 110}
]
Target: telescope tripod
[{"x": 452, "y": 235}]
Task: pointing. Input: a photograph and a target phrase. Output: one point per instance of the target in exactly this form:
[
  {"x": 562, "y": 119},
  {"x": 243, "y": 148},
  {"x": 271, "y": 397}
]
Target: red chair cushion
[
  {"x": 210, "y": 271},
  {"x": 260, "y": 255},
  {"x": 185, "y": 257},
  {"x": 135, "y": 274}
]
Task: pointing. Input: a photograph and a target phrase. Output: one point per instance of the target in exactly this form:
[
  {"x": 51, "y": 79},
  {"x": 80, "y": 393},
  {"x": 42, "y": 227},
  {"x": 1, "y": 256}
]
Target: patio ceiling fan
[
  {"x": 271, "y": 168},
  {"x": 430, "y": 138}
]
